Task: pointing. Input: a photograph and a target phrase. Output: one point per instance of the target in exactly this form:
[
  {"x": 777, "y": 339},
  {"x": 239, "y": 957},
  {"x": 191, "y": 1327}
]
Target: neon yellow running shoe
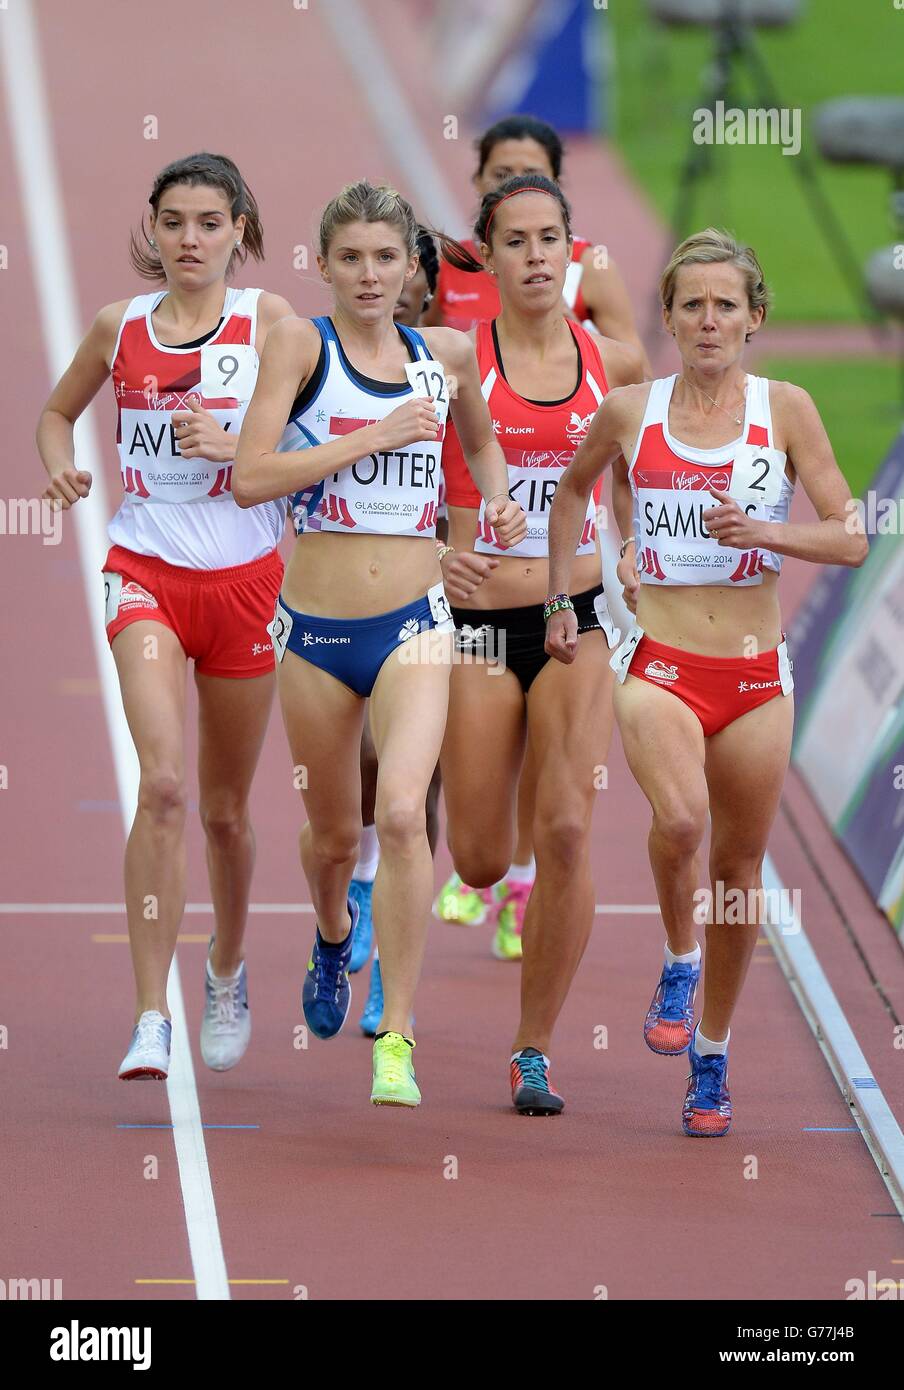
[
  {"x": 456, "y": 902},
  {"x": 507, "y": 941},
  {"x": 394, "y": 1082}
]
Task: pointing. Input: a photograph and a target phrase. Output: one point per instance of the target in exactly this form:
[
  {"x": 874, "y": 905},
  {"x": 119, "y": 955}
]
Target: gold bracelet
[{"x": 443, "y": 550}]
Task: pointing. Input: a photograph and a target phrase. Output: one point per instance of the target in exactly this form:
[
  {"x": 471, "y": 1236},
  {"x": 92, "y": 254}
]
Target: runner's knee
[
  {"x": 679, "y": 829},
  {"x": 401, "y": 822},
  {"x": 224, "y": 819},
  {"x": 162, "y": 796}
]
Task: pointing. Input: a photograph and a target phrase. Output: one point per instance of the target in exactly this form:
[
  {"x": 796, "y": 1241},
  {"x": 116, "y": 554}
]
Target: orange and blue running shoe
[
  {"x": 707, "y": 1105},
  {"x": 669, "y": 1022},
  {"x": 531, "y": 1091}
]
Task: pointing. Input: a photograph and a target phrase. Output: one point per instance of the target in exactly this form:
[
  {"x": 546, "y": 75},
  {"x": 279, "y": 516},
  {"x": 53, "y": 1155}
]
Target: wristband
[
  {"x": 495, "y": 495},
  {"x": 624, "y": 547},
  {"x": 554, "y": 604}
]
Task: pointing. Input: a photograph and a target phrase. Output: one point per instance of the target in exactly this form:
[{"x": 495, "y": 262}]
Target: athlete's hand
[
  {"x": 626, "y": 571},
  {"x": 463, "y": 572},
  {"x": 507, "y": 520},
  {"x": 730, "y": 525},
  {"x": 410, "y": 423},
  {"x": 199, "y": 435},
  {"x": 66, "y": 488},
  {"x": 562, "y": 636}
]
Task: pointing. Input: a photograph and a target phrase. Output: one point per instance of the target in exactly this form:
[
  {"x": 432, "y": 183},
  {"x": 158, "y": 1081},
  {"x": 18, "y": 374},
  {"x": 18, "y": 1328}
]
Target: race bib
[
  {"x": 280, "y": 630},
  {"x": 427, "y": 378},
  {"x": 620, "y": 661},
  {"x": 604, "y": 618},
  {"x": 757, "y": 473},
  {"x": 228, "y": 369},
  {"x": 112, "y": 590},
  {"x": 439, "y": 607}
]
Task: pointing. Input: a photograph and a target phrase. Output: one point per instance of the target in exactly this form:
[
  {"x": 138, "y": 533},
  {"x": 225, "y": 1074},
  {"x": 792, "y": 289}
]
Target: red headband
[{"x": 514, "y": 193}]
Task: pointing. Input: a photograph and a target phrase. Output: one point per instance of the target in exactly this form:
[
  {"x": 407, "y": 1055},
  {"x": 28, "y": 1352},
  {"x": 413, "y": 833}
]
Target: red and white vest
[
  {"x": 670, "y": 482},
  {"x": 538, "y": 440},
  {"x": 182, "y": 510}
]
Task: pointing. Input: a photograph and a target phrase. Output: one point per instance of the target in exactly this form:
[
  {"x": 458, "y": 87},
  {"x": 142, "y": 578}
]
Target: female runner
[
  {"x": 363, "y": 589},
  {"x": 413, "y": 301},
  {"x": 543, "y": 378},
  {"x": 597, "y": 298},
  {"x": 704, "y": 700},
  {"x": 190, "y": 576}
]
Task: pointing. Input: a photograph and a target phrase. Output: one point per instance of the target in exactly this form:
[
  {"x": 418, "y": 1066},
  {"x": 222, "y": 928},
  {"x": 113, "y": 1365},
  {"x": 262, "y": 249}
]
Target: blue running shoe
[
  {"x": 373, "y": 1009},
  {"x": 326, "y": 995},
  {"x": 361, "y": 893},
  {"x": 707, "y": 1105},
  {"x": 669, "y": 1022}
]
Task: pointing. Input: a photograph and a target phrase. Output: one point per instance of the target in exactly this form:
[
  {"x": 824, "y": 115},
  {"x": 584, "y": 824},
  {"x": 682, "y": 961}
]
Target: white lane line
[
  {"x": 396, "y": 120},
  {"x": 55, "y": 285},
  {"x": 840, "y": 1047},
  {"x": 275, "y": 909}
]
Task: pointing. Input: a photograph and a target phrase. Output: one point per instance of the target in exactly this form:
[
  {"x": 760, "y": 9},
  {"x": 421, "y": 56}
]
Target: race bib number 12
[
  {"x": 757, "y": 473},
  {"x": 427, "y": 378}
]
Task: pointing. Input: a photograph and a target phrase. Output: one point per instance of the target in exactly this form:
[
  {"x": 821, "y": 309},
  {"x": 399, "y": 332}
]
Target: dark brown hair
[
  {"x": 460, "y": 257},
  {"x": 211, "y": 171}
]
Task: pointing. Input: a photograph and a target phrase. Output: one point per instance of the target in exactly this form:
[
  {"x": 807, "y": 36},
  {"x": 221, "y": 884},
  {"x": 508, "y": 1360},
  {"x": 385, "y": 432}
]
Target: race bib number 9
[
  {"x": 228, "y": 370},
  {"x": 757, "y": 473},
  {"x": 428, "y": 378}
]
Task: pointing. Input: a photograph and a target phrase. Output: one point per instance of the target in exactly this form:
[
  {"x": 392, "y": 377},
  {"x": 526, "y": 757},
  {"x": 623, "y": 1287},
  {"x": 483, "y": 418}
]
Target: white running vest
[
  {"x": 388, "y": 493},
  {"x": 670, "y": 481}
]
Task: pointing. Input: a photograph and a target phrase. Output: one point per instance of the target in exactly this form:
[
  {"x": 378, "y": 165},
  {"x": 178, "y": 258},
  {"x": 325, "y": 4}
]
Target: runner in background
[
  {"x": 413, "y": 301},
  {"x": 594, "y": 295},
  {"x": 190, "y": 576},
  {"x": 704, "y": 699}
]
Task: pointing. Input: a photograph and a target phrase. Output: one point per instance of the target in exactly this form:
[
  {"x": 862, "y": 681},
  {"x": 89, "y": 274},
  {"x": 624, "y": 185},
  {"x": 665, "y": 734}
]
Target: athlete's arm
[
  {"x": 611, "y": 431},
  {"x": 73, "y": 393},
  {"x": 837, "y": 538},
  {"x": 261, "y": 473},
  {"x": 606, "y": 297},
  {"x": 486, "y": 461}
]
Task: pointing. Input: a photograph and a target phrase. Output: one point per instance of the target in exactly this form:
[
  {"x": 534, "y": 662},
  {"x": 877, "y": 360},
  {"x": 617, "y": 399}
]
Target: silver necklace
[{"x": 715, "y": 403}]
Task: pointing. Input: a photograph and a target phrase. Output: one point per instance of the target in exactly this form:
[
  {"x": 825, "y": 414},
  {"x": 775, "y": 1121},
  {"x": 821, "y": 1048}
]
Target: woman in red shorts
[
  {"x": 704, "y": 695},
  {"x": 190, "y": 575}
]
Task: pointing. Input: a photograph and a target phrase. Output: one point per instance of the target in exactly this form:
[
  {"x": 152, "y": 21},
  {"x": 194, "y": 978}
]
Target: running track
[{"x": 325, "y": 1191}]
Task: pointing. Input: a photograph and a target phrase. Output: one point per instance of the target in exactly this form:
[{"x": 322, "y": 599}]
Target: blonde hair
[
  {"x": 367, "y": 202},
  {"x": 711, "y": 247}
]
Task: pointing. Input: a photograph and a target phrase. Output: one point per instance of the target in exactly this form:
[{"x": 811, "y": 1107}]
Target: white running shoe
[
  {"x": 226, "y": 1025},
  {"x": 149, "y": 1052}
]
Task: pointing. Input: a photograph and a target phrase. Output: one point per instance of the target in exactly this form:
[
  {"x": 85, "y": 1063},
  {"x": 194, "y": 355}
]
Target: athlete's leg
[
  {"x": 570, "y": 719},
  {"x": 368, "y": 775},
  {"x": 232, "y": 723},
  {"x": 745, "y": 769},
  {"x": 152, "y": 682},
  {"x": 482, "y": 755},
  {"x": 408, "y": 714},
  {"x": 323, "y": 720},
  {"x": 665, "y": 749},
  {"x": 527, "y": 790}
]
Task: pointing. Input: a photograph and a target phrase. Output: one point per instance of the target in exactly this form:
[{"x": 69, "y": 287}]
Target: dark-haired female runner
[
  {"x": 190, "y": 576},
  {"x": 543, "y": 378}
]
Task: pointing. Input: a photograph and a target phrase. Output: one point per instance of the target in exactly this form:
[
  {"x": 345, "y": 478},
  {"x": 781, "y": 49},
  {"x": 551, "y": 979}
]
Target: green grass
[
  {"x": 837, "y": 48},
  {"x": 860, "y": 404}
]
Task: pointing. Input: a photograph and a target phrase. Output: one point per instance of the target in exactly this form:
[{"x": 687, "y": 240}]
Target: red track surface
[{"x": 348, "y": 1200}]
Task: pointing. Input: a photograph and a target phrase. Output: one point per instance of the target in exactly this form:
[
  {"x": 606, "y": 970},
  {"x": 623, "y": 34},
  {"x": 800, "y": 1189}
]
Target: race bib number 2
[
  {"x": 228, "y": 370},
  {"x": 757, "y": 473}
]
